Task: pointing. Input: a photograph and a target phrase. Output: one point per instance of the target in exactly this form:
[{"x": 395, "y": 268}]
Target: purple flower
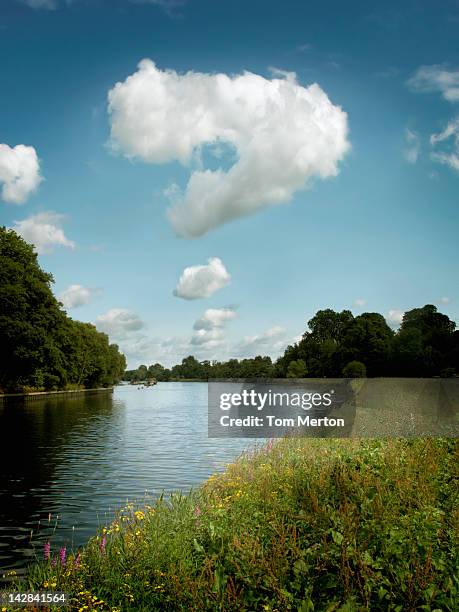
[
  {"x": 102, "y": 544},
  {"x": 53, "y": 562},
  {"x": 197, "y": 511},
  {"x": 62, "y": 554},
  {"x": 46, "y": 551},
  {"x": 77, "y": 560}
]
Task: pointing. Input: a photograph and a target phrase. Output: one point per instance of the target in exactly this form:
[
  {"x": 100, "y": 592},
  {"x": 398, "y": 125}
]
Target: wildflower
[
  {"x": 53, "y": 562},
  {"x": 197, "y": 511},
  {"x": 102, "y": 544},
  {"x": 62, "y": 554},
  {"x": 77, "y": 560},
  {"x": 46, "y": 551}
]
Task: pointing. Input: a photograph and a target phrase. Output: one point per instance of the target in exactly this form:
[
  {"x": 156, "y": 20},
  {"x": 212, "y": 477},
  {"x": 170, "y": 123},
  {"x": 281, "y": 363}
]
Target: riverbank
[
  {"x": 38, "y": 395},
  {"x": 302, "y": 525}
]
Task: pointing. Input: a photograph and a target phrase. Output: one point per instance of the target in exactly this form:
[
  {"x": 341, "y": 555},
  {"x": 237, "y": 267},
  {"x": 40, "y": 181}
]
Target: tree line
[
  {"x": 339, "y": 344},
  {"x": 41, "y": 347}
]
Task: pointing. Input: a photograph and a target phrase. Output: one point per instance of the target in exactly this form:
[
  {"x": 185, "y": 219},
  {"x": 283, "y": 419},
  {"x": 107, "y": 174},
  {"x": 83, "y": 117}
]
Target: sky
[{"x": 202, "y": 176}]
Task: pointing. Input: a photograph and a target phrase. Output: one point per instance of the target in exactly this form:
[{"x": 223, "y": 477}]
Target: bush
[
  {"x": 296, "y": 369},
  {"x": 355, "y": 369}
]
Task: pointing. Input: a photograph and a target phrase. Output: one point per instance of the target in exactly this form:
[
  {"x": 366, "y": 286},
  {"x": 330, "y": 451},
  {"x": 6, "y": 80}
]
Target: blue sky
[{"x": 375, "y": 229}]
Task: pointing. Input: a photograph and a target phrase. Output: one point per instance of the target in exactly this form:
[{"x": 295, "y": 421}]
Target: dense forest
[
  {"x": 41, "y": 347},
  {"x": 339, "y": 344}
]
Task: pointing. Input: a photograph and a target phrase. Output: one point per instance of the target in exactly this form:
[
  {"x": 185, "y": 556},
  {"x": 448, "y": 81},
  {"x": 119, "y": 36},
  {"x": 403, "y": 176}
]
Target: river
[{"x": 68, "y": 463}]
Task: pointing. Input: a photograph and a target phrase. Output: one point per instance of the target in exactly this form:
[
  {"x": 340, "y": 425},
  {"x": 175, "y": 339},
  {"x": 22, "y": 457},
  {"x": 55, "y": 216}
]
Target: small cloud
[
  {"x": 445, "y": 300},
  {"x": 19, "y": 172},
  {"x": 77, "y": 295},
  {"x": 268, "y": 342},
  {"x": 208, "y": 330},
  {"x": 412, "y": 146},
  {"x": 436, "y": 78},
  {"x": 173, "y": 193},
  {"x": 44, "y": 232},
  {"x": 118, "y": 322},
  {"x": 303, "y": 48},
  {"x": 449, "y": 155},
  {"x": 197, "y": 282},
  {"x": 359, "y": 303},
  {"x": 395, "y": 317}
]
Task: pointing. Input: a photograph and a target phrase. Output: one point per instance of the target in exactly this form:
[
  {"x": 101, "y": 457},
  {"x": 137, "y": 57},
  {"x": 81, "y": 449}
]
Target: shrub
[{"x": 355, "y": 369}]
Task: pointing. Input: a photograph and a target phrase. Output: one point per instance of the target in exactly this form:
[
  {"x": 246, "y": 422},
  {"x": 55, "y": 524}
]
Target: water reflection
[{"x": 79, "y": 458}]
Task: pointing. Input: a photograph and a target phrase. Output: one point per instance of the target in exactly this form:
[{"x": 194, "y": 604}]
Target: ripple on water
[{"x": 81, "y": 458}]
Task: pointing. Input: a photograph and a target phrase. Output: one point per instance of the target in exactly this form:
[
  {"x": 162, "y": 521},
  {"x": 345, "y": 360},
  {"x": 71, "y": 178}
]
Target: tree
[
  {"x": 425, "y": 342},
  {"x": 355, "y": 369},
  {"x": 40, "y": 346},
  {"x": 368, "y": 339},
  {"x": 296, "y": 369}
]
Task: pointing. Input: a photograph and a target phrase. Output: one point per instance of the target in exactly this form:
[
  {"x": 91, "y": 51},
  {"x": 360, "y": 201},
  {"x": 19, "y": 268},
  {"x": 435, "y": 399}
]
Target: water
[{"x": 82, "y": 457}]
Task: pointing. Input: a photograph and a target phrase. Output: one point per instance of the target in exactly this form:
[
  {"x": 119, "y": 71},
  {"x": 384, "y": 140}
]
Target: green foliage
[
  {"x": 300, "y": 525},
  {"x": 192, "y": 369},
  {"x": 40, "y": 346},
  {"x": 355, "y": 369},
  {"x": 296, "y": 369},
  {"x": 425, "y": 345}
]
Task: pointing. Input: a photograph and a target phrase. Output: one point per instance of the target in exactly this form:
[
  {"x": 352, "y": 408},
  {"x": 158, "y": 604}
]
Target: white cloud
[
  {"x": 208, "y": 330},
  {"x": 284, "y": 134},
  {"x": 412, "y": 146},
  {"x": 359, "y": 303},
  {"x": 445, "y": 300},
  {"x": 118, "y": 322},
  {"x": 141, "y": 348},
  {"x": 198, "y": 282},
  {"x": 268, "y": 342},
  {"x": 394, "y": 317},
  {"x": 436, "y": 78},
  {"x": 449, "y": 156},
  {"x": 43, "y": 230},
  {"x": 19, "y": 172},
  {"x": 77, "y": 295}
]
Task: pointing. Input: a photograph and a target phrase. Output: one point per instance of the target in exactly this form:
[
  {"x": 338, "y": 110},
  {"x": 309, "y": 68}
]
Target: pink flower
[
  {"x": 197, "y": 511},
  {"x": 62, "y": 554},
  {"x": 46, "y": 551},
  {"x": 77, "y": 560},
  {"x": 102, "y": 544}
]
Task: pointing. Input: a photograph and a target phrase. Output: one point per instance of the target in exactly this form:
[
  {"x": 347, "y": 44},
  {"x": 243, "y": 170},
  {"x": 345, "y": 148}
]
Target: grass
[{"x": 299, "y": 525}]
